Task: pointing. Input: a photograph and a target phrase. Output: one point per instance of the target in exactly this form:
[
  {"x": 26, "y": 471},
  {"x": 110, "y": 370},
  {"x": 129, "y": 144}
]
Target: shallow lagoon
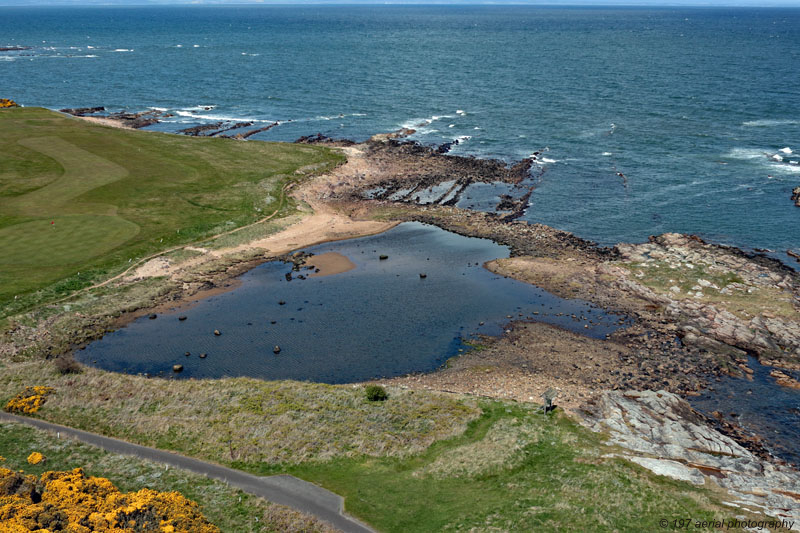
[{"x": 380, "y": 319}]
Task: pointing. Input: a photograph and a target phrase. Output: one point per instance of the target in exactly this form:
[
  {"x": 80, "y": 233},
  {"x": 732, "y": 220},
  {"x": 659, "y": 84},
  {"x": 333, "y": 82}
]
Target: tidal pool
[
  {"x": 760, "y": 405},
  {"x": 379, "y": 319}
]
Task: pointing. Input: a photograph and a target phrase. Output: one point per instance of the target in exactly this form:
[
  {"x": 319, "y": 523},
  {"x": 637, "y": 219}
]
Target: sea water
[{"x": 694, "y": 107}]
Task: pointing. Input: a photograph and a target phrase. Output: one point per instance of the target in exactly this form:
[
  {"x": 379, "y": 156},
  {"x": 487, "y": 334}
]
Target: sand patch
[{"x": 330, "y": 263}]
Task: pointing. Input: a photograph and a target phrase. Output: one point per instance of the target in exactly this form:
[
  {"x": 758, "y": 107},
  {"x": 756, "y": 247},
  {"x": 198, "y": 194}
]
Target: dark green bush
[{"x": 376, "y": 393}]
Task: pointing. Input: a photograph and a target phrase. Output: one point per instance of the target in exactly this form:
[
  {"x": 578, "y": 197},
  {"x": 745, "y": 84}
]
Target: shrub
[
  {"x": 5, "y": 102},
  {"x": 28, "y": 401},
  {"x": 66, "y": 364},
  {"x": 376, "y": 393},
  {"x": 72, "y": 501},
  {"x": 35, "y": 458}
]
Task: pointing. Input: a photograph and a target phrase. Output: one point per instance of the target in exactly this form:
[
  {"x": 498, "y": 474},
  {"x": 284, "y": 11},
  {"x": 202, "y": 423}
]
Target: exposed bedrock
[
  {"x": 721, "y": 298},
  {"x": 661, "y": 432},
  {"x": 82, "y": 111}
]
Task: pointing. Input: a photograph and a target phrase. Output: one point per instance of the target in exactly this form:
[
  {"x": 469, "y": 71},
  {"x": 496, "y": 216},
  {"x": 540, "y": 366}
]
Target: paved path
[{"x": 285, "y": 490}]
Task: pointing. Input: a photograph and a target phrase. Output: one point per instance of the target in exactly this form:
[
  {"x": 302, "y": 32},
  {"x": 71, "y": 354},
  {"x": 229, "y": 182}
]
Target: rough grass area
[
  {"x": 79, "y": 200},
  {"x": 743, "y": 299},
  {"x": 230, "y": 509},
  {"x": 513, "y": 470},
  {"x": 417, "y": 462},
  {"x": 241, "y": 420}
]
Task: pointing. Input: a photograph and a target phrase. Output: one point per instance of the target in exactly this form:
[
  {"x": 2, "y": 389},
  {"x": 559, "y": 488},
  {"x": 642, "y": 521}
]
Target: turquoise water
[{"x": 690, "y": 104}]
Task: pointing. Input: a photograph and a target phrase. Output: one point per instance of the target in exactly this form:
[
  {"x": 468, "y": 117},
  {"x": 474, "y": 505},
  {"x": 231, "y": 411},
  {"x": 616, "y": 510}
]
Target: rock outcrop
[
  {"x": 736, "y": 301},
  {"x": 662, "y": 433}
]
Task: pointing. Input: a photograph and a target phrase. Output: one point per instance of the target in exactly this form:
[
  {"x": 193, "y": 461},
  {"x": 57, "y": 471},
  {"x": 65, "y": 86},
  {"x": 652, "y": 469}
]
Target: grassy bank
[
  {"x": 263, "y": 423},
  {"x": 78, "y": 201},
  {"x": 230, "y": 509},
  {"x": 513, "y": 470},
  {"x": 416, "y": 462}
]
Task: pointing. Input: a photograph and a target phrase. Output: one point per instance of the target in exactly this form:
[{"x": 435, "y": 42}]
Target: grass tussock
[
  {"x": 229, "y": 509},
  {"x": 242, "y": 420},
  {"x": 503, "y": 447}
]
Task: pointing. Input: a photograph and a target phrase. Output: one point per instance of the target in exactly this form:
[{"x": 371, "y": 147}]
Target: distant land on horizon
[{"x": 544, "y": 3}]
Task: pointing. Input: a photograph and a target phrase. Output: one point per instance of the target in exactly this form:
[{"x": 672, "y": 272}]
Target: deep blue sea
[{"x": 699, "y": 108}]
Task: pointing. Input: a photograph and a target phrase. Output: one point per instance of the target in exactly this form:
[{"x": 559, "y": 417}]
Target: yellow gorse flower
[
  {"x": 5, "y": 102},
  {"x": 74, "y": 502},
  {"x": 35, "y": 458},
  {"x": 29, "y": 401}
]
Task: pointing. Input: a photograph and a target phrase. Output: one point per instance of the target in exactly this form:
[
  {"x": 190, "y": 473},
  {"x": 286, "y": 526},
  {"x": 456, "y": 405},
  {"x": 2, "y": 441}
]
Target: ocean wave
[
  {"x": 207, "y": 107},
  {"x": 785, "y": 168},
  {"x": 765, "y": 123},
  {"x": 122, "y": 50},
  {"x": 416, "y": 123},
  {"x": 333, "y": 117},
  {"x": 747, "y": 154},
  {"x": 218, "y": 118}
]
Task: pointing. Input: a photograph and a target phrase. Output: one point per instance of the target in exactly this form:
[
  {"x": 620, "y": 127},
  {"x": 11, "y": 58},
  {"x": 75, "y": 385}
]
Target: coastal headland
[{"x": 699, "y": 313}]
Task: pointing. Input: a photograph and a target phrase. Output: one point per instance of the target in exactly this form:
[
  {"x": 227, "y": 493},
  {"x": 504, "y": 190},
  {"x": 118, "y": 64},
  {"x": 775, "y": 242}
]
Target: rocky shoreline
[{"x": 698, "y": 309}]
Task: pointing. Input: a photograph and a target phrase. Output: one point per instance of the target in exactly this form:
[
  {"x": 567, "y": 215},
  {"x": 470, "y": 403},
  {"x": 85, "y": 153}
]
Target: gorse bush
[
  {"x": 376, "y": 393},
  {"x": 72, "y": 501},
  {"x": 28, "y": 401},
  {"x": 5, "y": 102}
]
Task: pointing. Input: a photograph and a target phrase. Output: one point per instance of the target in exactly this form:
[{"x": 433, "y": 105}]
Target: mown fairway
[{"x": 81, "y": 198}]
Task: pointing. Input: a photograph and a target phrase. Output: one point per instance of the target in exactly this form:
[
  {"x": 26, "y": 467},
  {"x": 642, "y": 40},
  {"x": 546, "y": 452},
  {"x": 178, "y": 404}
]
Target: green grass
[
  {"x": 512, "y": 470},
  {"x": 242, "y": 420},
  {"x": 229, "y": 509},
  {"x": 417, "y": 462},
  {"x": 118, "y": 195}
]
